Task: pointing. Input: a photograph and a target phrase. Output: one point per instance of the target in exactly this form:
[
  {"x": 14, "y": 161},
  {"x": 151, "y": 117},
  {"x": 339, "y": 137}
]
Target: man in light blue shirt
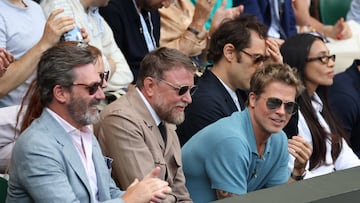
[{"x": 248, "y": 150}]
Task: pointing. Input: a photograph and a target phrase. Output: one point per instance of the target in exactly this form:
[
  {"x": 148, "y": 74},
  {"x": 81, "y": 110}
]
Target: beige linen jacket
[{"x": 128, "y": 134}]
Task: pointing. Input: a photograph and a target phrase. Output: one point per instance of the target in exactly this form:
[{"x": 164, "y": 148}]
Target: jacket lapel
[
  {"x": 148, "y": 120},
  {"x": 69, "y": 150}
]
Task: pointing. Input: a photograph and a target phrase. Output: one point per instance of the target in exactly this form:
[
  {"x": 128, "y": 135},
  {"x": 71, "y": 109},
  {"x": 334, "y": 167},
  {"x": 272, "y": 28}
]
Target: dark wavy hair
[{"x": 236, "y": 32}]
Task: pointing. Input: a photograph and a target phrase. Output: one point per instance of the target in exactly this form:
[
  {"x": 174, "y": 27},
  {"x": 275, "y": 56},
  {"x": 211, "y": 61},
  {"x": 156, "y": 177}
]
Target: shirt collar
[
  {"x": 150, "y": 108},
  {"x": 66, "y": 125},
  {"x": 316, "y": 102}
]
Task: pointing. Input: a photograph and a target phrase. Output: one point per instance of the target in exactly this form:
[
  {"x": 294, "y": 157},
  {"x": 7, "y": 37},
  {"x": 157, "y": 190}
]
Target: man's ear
[
  {"x": 61, "y": 94},
  {"x": 252, "y": 99},
  {"x": 229, "y": 52},
  {"x": 149, "y": 86}
]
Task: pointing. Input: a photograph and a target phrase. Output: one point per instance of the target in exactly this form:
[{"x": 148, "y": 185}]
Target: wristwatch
[
  {"x": 297, "y": 178},
  {"x": 198, "y": 34}
]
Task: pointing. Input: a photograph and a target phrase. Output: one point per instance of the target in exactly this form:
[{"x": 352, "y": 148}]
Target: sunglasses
[
  {"x": 273, "y": 103},
  {"x": 257, "y": 58},
  {"x": 182, "y": 89},
  {"x": 104, "y": 76},
  {"x": 323, "y": 59},
  {"x": 94, "y": 87}
]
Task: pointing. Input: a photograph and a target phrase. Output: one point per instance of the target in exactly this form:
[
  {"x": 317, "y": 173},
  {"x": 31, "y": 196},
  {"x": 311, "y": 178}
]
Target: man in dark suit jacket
[{"x": 222, "y": 89}]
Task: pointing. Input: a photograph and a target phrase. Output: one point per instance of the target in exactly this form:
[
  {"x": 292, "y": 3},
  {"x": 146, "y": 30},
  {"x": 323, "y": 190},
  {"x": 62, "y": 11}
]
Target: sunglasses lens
[
  {"x": 183, "y": 90},
  {"x": 273, "y": 103},
  {"x": 104, "y": 76},
  {"x": 192, "y": 90},
  {"x": 260, "y": 58},
  {"x": 94, "y": 88},
  {"x": 333, "y": 57},
  {"x": 291, "y": 107}
]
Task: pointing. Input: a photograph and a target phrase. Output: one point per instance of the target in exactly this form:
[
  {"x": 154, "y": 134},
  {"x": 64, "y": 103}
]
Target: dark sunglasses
[
  {"x": 257, "y": 58},
  {"x": 273, "y": 103},
  {"x": 323, "y": 59},
  {"x": 104, "y": 76},
  {"x": 182, "y": 89},
  {"x": 94, "y": 87}
]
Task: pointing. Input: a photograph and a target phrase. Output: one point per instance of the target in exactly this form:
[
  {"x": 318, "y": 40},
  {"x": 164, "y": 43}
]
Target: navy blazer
[
  {"x": 261, "y": 9},
  {"x": 210, "y": 102},
  {"x": 123, "y": 18}
]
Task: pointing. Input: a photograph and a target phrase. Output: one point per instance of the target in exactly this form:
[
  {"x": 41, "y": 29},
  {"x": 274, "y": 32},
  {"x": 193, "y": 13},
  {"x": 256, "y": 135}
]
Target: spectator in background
[
  {"x": 183, "y": 26},
  {"x": 354, "y": 12},
  {"x": 248, "y": 151},
  {"x": 86, "y": 15},
  {"x": 226, "y": 4},
  {"x": 237, "y": 49},
  {"x": 138, "y": 129},
  {"x": 307, "y": 23},
  {"x": 344, "y": 97},
  {"x": 26, "y": 34},
  {"x": 277, "y": 15},
  {"x": 57, "y": 158},
  {"x": 5, "y": 59},
  {"x": 26, "y": 39},
  {"x": 317, "y": 122},
  {"x": 136, "y": 27}
]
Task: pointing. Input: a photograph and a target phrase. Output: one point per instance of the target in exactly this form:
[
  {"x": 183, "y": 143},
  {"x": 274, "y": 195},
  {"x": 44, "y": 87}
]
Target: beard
[
  {"x": 168, "y": 113},
  {"x": 80, "y": 111}
]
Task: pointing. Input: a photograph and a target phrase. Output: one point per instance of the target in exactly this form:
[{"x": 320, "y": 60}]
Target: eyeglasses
[
  {"x": 104, "y": 76},
  {"x": 323, "y": 59},
  {"x": 273, "y": 103},
  {"x": 257, "y": 58},
  {"x": 94, "y": 87},
  {"x": 182, "y": 88}
]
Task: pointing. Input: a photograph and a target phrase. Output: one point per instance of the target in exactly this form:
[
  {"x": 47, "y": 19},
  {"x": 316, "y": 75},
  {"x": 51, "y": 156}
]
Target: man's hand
[
  {"x": 301, "y": 150},
  {"x": 150, "y": 189}
]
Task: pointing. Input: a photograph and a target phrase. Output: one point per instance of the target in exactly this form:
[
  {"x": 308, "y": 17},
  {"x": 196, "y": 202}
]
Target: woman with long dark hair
[{"x": 317, "y": 123}]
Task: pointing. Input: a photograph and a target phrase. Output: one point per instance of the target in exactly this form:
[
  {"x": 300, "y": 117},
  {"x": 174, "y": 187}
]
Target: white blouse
[{"x": 346, "y": 159}]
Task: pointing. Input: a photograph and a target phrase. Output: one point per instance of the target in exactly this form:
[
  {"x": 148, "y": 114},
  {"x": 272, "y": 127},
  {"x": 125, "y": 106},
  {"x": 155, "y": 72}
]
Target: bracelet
[
  {"x": 297, "y": 178},
  {"x": 199, "y": 35},
  {"x": 193, "y": 31}
]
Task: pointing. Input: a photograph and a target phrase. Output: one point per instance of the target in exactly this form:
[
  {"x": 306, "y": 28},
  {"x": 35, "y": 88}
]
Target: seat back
[
  {"x": 3, "y": 189},
  {"x": 332, "y": 10}
]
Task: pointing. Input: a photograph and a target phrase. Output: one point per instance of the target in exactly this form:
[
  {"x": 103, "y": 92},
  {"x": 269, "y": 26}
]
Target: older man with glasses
[
  {"x": 248, "y": 150},
  {"x": 237, "y": 49},
  {"x": 138, "y": 129}
]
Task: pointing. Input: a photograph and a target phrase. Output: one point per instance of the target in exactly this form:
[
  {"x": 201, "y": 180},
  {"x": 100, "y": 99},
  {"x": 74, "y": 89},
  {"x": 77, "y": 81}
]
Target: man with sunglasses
[
  {"x": 248, "y": 150},
  {"x": 57, "y": 157},
  {"x": 138, "y": 129},
  {"x": 237, "y": 48}
]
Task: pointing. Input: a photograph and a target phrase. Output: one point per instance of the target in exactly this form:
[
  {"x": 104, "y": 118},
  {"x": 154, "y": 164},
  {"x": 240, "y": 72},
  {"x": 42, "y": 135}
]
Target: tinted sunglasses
[
  {"x": 104, "y": 76},
  {"x": 323, "y": 59},
  {"x": 256, "y": 58},
  {"x": 273, "y": 103},
  {"x": 182, "y": 89},
  {"x": 94, "y": 87}
]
